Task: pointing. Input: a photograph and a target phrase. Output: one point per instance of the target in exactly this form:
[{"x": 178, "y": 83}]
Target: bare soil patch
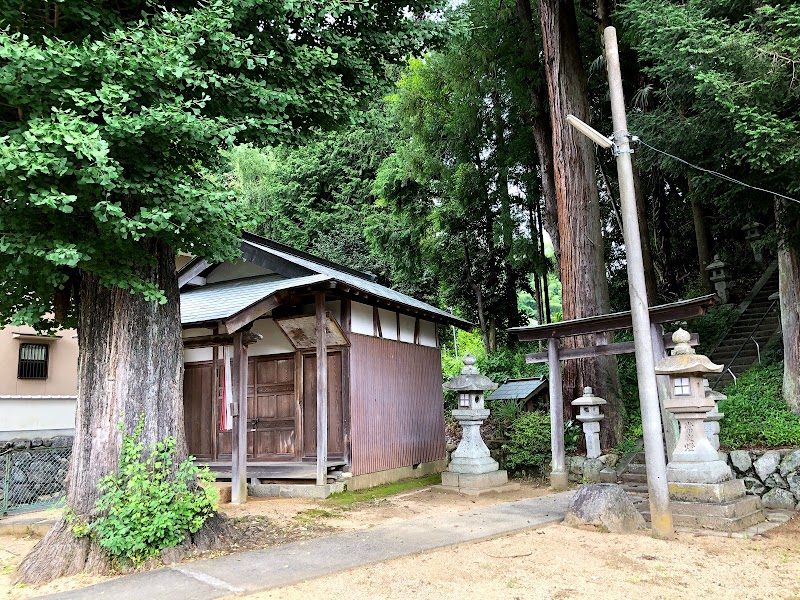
[{"x": 559, "y": 562}]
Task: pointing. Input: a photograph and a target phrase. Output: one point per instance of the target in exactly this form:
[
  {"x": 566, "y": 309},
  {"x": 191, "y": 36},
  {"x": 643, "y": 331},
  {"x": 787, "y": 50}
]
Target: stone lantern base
[
  {"x": 475, "y": 484},
  {"x": 718, "y": 506}
]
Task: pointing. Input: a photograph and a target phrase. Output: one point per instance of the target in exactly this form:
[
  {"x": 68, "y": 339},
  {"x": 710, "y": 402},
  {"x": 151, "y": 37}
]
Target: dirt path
[
  {"x": 555, "y": 562},
  {"x": 559, "y": 562}
]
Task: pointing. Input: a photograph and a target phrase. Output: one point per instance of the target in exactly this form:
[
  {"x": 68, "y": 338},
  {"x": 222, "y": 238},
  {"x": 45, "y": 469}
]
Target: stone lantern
[
  {"x": 590, "y": 415},
  {"x": 719, "y": 277},
  {"x": 695, "y": 460},
  {"x": 702, "y": 489},
  {"x": 754, "y": 231},
  {"x": 713, "y": 417},
  {"x": 472, "y": 470}
]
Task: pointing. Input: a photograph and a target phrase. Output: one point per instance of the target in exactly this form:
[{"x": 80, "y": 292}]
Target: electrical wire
[{"x": 720, "y": 175}]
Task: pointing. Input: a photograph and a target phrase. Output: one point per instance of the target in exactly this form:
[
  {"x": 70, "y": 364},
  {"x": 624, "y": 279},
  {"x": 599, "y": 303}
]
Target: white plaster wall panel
[
  {"x": 274, "y": 342},
  {"x": 427, "y": 333},
  {"x": 196, "y": 332},
  {"x": 388, "y": 323},
  {"x": 238, "y": 270},
  {"x": 407, "y": 328},
  {"x": 361, "y": 318},
  {"x": 332, "y": 306},
  {"x": 33, "y": 414},
  {"x": 191, "y": 355}
]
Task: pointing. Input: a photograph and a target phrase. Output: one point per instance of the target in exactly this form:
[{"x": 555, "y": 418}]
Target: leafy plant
[
  {"x": 504, "y": 413},
  {"x": 572, "y": 433},
  {"x": 147, "y": 505},
  {"x": 528, "y": 446},
  {"x": 755, "y": 412}
]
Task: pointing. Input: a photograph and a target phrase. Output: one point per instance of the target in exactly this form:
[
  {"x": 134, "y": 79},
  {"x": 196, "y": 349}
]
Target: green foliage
[
  {"x": 528, "y": 446},
  {"x": 755, "y": 413},
  {"x": 348, "y": 498},
  {"x": 572, "y": 433},
  {"x": 148, "y": 504},
  {"x": 454, "y": 198},
  {"x": 504, "y": 413},
  {"x": 113, "y": 116}
]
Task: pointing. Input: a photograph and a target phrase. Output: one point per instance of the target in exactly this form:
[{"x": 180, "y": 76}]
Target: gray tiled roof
[
  {"x": 222, "y": 300},
  {"x": 518, "y": 389},
  {"x": 364, "y": 285}
]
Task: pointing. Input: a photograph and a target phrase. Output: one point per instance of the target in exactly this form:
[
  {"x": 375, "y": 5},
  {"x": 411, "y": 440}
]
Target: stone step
[
  {"x": 637, "y": 468},
  {"x": 725, "y": 524},
  {"x": 633, "y": 477},
  {"x": 738, "y": 508}
]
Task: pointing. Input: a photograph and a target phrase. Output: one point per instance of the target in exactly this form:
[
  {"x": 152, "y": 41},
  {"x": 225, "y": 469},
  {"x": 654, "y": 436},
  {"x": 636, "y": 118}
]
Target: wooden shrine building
[{"x": 267, "y": 398}]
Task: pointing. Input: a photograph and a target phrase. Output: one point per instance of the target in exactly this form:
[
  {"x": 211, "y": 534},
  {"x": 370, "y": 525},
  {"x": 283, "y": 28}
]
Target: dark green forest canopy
[
  {"x": 719, "y": 88},
  {"x": 113, "y": 115}
]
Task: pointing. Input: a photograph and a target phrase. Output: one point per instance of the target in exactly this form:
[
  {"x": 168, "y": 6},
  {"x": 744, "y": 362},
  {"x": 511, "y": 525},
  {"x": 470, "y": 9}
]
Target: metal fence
[{"x": 32, "y": 478}]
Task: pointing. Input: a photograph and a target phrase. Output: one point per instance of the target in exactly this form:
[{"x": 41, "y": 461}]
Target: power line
[{"x": 720, "y": 175}]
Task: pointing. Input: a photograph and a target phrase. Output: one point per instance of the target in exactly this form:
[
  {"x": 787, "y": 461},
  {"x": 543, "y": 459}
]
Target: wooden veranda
[{"x": 555, "y": 332}]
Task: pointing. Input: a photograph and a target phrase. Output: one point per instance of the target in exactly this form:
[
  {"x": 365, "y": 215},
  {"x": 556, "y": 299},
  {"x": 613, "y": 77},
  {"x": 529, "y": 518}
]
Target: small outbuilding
[
  {"x": 530, "y": 392},
  {"x": 298, "y": 369}
]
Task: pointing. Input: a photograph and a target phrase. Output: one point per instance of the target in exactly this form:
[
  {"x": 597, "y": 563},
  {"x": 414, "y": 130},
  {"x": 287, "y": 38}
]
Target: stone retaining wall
[
  {"x": 774, "y": 475},
  {"x": 33, "y": 471}
]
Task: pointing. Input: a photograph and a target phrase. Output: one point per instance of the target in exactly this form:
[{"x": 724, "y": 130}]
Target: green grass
[
  {"x": 348, "y": 498},
  {"x": 755, "y": 412}
]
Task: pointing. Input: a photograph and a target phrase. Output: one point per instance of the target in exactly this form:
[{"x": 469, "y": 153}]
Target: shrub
[
  {"x": 147, "y": 506},
  {"x": 755, "y": 412},
  {"x": 528, "y": 446}
]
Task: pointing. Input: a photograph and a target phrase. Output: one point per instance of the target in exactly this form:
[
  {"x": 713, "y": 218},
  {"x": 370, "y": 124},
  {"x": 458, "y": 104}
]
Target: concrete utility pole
[{"x": 645, "y": 362}]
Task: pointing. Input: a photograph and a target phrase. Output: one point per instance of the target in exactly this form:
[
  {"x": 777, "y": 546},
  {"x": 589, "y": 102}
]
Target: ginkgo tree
[{"x": 112, "y": 119}]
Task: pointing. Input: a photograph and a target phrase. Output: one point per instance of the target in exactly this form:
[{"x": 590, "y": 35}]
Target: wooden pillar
[
  {"x": 558, "y": 472},
  {"x": 347, "y": 329},
  {"x": 322, "y": 389},
  {"x": 239, "y": 428}
]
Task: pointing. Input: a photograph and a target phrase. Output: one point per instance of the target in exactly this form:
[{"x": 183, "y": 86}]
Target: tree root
[{"x": 60, "y": 554}]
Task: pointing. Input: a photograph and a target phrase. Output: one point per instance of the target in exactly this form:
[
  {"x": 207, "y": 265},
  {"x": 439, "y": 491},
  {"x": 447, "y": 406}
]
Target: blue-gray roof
[
  {"x": 217, "y": 301},
  {"x": 519, "y": 389},
  {"x": 370, "y": 287}
]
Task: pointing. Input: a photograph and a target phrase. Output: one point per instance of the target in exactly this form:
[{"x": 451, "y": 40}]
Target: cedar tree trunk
[
  {"x": 130, "y": 364},
  {"x": 789, "y": 292},
  {"x": 583, "y": 275}
]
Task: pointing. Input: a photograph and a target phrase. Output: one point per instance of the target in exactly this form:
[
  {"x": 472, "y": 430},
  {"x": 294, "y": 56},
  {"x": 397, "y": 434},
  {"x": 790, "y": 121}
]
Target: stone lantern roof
[
  {"x": 684, "y": 361},
  {"x": 470, "y": 379}
]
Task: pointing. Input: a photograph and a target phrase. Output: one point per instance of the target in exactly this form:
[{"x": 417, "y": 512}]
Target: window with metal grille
[{"x": 32, "y": 361}]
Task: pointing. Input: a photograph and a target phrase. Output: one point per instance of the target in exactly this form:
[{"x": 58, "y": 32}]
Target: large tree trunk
[
  {"x": 583, "y": 275},
  {"x": 130, "y": 364},
  {"x": 789, "y": 292},
  {"x": 701, "y": 237},
  {"x": 542, "y": 136}
]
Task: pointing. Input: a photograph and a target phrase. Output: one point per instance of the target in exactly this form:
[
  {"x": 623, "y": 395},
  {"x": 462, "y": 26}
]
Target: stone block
[
  {"x": 591, "y": 470},
  {"x": 767, "y": 464},
  {"x": 474, "y": 465},
  {"x": 605, "y": 505},
  {"x": 474, "y": 481},
  {"x": 737, "y": 508},
  {"x": 726, "y": 524},
  {"x": 576, "y": 465},
  {"x": 714, "y": 471},
  {"x": 609, "y": 460},
  {"x": 741, "y": 461},
  {"x": 794, "y": 484},
  {"x": 508, "y": 487},
  {"x": 727, "y": 491},
  {"x": 776, "y": 481},
  {"x": 280, "y": 490},
  {"x": 754, "y": 486},
  {"x": 790, "y": 463},
  {"x": 779, "y": 498},
  {"x": 608, "y": 475}
]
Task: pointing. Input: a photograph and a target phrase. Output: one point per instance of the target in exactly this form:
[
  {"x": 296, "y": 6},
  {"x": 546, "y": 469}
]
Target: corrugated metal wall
[{"x": 397, "y": 417}]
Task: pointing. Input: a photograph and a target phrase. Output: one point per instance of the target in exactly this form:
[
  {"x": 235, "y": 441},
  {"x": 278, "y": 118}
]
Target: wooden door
[
  {"x": 198, "y": 410},
  {"x": 271, "y": 409},
  {"x": 335, "y": 427}
]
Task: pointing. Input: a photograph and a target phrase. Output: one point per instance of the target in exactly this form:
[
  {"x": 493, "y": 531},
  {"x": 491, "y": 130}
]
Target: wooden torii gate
[{"x": 553, "y": 332}]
